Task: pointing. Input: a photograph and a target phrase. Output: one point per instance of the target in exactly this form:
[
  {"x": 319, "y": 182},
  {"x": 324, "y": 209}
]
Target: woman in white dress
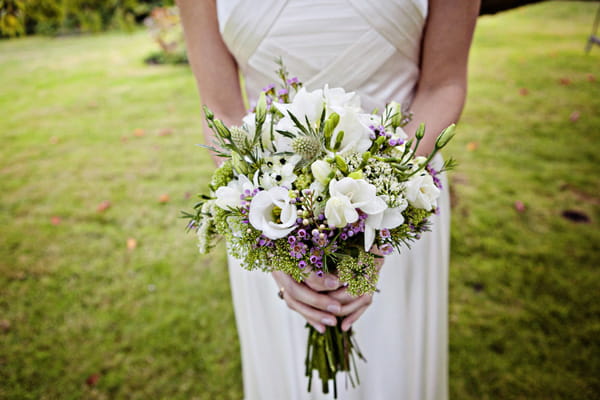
[{"x": 410, "y": 51}]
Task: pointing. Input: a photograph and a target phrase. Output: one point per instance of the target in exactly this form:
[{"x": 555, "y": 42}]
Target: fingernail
[
  {"x": 334, "y": 308},
  {"x": 347, "y": 328},
  {"x": 329, "y": 321},
  {"x": 319, "y": 328},
  {"x": 331, "y": 283}
]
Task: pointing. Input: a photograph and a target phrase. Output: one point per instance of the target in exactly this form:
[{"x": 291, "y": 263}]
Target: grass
[{"x": 83, "y": 316}]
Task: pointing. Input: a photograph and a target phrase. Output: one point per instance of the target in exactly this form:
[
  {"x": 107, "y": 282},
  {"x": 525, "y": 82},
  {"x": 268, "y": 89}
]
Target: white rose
[
  {"x": 421, "y": 192},
  {"x": 350, "y": 194},
  {"x": 321, "y": 170},
  {"x": 262, "y": 216},
  {"x": 229, "y": 196}
]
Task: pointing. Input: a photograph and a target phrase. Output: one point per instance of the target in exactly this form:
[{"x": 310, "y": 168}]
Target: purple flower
[
  {"x": 301, "y": 232},
  {"x": 282, "y": 92},
  {"x": 301, "y": 264},
  {"x": 386, "y": 248},
  {"x": 268, "y": 88},
  {"x": 320, "y": 273},
  {"x": 291, "y": 239},
  {"x": 384, "y": 233},
  {"x": 293, "y": 81}
]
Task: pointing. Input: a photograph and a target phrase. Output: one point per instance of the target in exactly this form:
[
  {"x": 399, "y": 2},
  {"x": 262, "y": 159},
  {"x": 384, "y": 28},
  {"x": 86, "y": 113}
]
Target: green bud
[
  {"x": 209, "y": 114},
  {"x": 341, "y": 164},
  {"x": 338, "y": 140},
  {"x": 221, "y": 129},
  {"x": 330, "y": 125},
  {"x": 358, "y": 174},
  {"x": 366, "y": 157},
  {"x": 420, "y": 131},
  {"x": 261, "y": 109},
  {"x": 445, "y": 136},
  {"x": 396, "y": 110}
]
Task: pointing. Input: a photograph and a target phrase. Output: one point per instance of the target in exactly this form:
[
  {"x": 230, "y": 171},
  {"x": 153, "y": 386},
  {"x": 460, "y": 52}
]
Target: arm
[
  {"x": 440, "y": 95},
  {"x": 213, "y": 66},
  {"x": 442, "y": 85},
  {"x": 218, "y": 82}
]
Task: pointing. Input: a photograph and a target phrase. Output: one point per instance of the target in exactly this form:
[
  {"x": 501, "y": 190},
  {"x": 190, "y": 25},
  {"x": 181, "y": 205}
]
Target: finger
[
  {"x": 352, "y": 318},
  {"x": 318, "y": 319},
  {"x": 358, "y": 303},
  {"x": 342, "y": 296},
  {"x": 322, "y": 283},
  {"x": 304, "y": 294}
]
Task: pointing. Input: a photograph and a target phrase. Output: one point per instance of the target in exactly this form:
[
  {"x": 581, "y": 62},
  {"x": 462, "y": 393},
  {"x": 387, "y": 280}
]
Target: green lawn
[{"x": 82, "y": 315}]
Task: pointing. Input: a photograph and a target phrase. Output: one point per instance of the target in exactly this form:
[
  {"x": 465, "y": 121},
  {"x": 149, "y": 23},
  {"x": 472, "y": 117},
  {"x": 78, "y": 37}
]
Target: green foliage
[
  {"x": 50, "y": 17},
  {"x": 11, "y": 17},
  {"x": 156, "y": 322}
]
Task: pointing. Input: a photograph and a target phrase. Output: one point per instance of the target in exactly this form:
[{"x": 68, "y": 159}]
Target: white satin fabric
[{"x": 372, "y": 47}]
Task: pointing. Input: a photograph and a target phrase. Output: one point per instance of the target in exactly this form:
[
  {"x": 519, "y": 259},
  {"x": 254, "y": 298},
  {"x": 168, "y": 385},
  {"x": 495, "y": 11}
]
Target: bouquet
[{"x": 312, "y": 183}]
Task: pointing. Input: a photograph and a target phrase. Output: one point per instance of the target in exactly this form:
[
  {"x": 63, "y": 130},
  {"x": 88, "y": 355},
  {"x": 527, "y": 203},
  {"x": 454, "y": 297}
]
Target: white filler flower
[
  {"x": 421, "y": 192},
  {"x": 272, "y": 214}
]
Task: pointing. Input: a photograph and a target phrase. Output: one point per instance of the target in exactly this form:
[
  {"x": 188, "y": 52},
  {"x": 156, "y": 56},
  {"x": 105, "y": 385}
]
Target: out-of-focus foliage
[
  {"x": 11, "y": 17},
  {"x": 165, "y": 28},
  {"x": 52, "y": 17}
]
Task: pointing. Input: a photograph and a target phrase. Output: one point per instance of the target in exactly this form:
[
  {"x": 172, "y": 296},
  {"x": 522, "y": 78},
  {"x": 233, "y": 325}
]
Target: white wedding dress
[{"x": 373, "y": 48}]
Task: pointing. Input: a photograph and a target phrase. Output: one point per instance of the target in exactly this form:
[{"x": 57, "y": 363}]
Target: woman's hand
[
  {"x": 321, "y": 299},
  {"x": 310, "y": 298}
]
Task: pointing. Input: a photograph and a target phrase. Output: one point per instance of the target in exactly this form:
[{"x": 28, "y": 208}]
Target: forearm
[
  {"x": 212, "y": 64},
  {"x": 438, "y": 108}
]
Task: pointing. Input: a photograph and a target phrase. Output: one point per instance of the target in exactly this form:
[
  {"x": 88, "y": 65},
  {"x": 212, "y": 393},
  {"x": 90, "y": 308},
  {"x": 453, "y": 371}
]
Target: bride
[{"x": 410, "y": 51}]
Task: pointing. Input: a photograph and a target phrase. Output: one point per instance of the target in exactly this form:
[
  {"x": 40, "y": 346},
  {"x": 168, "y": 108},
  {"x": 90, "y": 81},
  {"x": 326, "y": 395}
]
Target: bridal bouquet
[{"x": 312, "y": 183}]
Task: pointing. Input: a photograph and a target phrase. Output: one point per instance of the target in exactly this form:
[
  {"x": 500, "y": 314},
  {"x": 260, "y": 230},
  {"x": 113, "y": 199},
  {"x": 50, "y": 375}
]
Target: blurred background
[{"x": 103, "y": 294}]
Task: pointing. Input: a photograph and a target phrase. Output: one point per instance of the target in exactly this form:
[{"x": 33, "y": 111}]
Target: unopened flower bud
[{"x": 445, "y": 136}]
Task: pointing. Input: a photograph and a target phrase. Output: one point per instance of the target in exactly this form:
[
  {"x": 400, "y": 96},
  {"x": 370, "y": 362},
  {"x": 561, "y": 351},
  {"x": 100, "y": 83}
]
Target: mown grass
[{"x": 84, "y": 316}]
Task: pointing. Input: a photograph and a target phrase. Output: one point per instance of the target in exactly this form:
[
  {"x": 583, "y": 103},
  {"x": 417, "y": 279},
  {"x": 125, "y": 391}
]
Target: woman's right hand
[{"x": 319, "y": 309}]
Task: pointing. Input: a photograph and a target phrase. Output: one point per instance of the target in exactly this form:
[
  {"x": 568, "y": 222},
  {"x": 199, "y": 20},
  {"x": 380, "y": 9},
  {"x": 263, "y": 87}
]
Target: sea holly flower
[{"x": 272, "y": 213}]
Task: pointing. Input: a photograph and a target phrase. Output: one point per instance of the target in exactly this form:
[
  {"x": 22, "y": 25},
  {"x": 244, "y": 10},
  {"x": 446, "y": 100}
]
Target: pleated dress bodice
[{"x": 372, "y": 47}]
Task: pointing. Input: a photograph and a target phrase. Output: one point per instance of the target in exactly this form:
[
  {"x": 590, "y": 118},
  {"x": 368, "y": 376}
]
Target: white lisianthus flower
[
  {"x": 272, "y": 214},
  {"x": 346, "y": 196},
  {"x": 265, "y": 133},
  {"x": 389, "y": 218},
  {"x": 421, "y": 191},
  {"x": 229, "y": 196},
  {"x": 321, "y": 170}
]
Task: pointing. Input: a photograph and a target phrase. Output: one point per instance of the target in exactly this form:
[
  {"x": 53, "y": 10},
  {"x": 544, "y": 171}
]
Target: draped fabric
[{"x": 372, "y": 47}]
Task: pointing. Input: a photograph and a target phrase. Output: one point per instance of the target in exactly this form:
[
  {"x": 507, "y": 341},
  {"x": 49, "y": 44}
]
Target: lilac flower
[
  {"x": 293, "y": 81},
  {"x": 386, "y": 248},
  {"x": 384, "y": 233},
  {"x": 291, "y": 239},
  {"x": 301, "y": 264}
]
